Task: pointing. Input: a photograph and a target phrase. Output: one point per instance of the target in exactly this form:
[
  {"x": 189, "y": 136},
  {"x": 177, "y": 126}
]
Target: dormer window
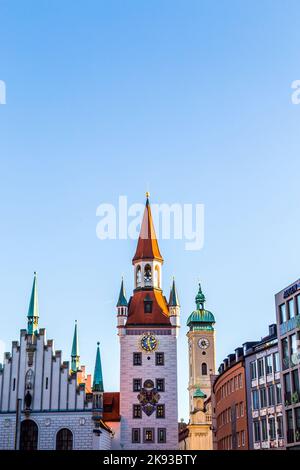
[{"x": 148, "y": 304}]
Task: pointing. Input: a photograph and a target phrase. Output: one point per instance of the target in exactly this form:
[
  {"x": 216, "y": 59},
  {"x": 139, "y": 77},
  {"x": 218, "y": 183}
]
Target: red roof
[
  {"x": 111, "y": 406},
  {"x": 147, "y": 247},
  {"x": 137, "y": 315}
]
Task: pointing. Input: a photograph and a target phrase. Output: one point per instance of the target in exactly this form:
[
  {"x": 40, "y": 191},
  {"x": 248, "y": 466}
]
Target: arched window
[
  {"x": 138, "y": 276},
  {"x": 29, "y": 435},
  {"x": 204, "y": 368},
  {"x": 64, "y": 439},
  {"x": 147, "y": 274},
  {"x": 157, "y": 277}
]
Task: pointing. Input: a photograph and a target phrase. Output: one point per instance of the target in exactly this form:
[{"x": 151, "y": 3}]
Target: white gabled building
[{"x": 44, "y": 403}]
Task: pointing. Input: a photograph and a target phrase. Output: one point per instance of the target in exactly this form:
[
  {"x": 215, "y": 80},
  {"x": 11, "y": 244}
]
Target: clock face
[
  {"x": 149, "y": 342},
  {"x": 203, "y": 343}
]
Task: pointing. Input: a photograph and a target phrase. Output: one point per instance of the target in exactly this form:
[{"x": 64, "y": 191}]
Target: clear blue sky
[{"x": 191, "y": 99}]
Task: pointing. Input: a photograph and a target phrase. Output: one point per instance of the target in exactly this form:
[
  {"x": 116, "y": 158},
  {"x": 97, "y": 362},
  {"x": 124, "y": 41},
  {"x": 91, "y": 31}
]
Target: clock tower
[
  {"x": 201, "y": 352},
  {"x": 148, "y": 328}
]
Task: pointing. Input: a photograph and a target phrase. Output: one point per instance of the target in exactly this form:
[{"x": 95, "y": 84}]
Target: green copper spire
[
  {"x": 173, "y": 301},
  {"x": 98, "y": 379},
  {"x": 122, "y": 302},
  {"x": 75, "y": 351},
  {"x": 200, "y": 298},
  {"x": 33, "y": 310},
  {"x": 201, "y": 319}
]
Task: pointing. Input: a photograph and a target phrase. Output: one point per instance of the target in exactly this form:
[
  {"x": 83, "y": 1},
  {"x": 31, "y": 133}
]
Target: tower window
[
  {"x": 148, "y": 435},
  {"x": 204, "y": 368},
  {"x": 136, "y": 435},
  {"x": 46, "y": 384},
  {"x": 137, "y": 358},
  {"x": 137, "y": 385},
  {"x": 160, "y": 385},
  {"x": 161, "y": 435},
  {"x": 160, "y": 411},
  {"x": 136, "y": 411},
  {"x": 160, "y": 359}
]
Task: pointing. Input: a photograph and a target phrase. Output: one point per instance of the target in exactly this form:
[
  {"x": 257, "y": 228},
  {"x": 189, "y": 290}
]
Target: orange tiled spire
[{"x": 147, "y": 247}]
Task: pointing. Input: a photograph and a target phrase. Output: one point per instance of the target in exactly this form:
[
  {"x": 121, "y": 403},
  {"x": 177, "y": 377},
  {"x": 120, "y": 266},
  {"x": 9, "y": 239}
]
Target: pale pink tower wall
[{"x": 148, "y": 327}]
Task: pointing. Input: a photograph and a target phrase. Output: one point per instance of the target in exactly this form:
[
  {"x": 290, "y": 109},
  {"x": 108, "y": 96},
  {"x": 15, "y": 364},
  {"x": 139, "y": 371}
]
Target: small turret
[
  {"x": 33, "y": 310},
  {"x": 122, "y": 308},
  {"x": 174, "y": 306},
  {"x": 98, "y": 388},
  {"x": 75, "y": 358}
]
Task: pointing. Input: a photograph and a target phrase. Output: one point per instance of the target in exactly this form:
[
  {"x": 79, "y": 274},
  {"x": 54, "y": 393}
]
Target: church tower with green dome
[{"x": 201, "y": 345}]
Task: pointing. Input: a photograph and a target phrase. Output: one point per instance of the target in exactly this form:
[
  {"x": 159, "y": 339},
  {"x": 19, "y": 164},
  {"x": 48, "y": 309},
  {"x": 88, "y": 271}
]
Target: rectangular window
[
  {"x": 256, "y": 431},
  {"x": 287, "y": 389},
  {"x": 243, "y": 438},
  {"x": 159, "y": 359},
  {"x": 272, "y": 430},
  {"x": 137, "y": 385},
  {"x": 160, "y": 385},
  {"x": 255, "y": 400},
  {"x": 162, "y": 435},
  {"x": 296, "y": 389},
  {"x": 240, "y": 381},
  {"x": 293, "y": 344},
  {"x": 46, "y": 384},
  {"x": 263, "y": 397},
  {"x": 271, "y": 397},
  {"x": 160, "y": 411},
  {"x": 279, "y": 426},
  {"x": 253, "y": 370},
  {"x": 285, "y": 353},
  {"x": 237, "y": 411},
  {"x": 282, "y": 313},
  {"x": 278, "y": 394},
  {"x": 297, "y": 423},
  {"x": 269, "y": 365},
  {"x": 298, "y": 304},
  {"x": 137, "y": 358},
  {"x": 136, "y": 435},
  {"x": 136, "y": 411},
  {"x": 290, "y": 426},
  {"x": 14, "y": 385},
  {"x": 241, "y": 409},
  {"x": 148, "y": 435},
  {"x": 291, "y": 308},
  {"x": 260, "y": 364},
  {"x": 276, "y": 362},
  {"x": 264, "y": 431},
  {"x": 235, "y": 382}
]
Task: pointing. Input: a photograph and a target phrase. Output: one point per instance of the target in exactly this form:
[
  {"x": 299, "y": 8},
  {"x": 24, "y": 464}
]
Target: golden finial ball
[{"x": 147, "y": 194}]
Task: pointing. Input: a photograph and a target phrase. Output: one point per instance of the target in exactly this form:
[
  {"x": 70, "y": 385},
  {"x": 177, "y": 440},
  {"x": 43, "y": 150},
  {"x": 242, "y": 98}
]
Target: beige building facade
[{"x": 201, "y": 356}]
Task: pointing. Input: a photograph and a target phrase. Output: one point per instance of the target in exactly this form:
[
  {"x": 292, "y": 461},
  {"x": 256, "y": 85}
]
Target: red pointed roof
[
  {"x": 147, "y": 247},
  {"x": 160, "y": 313}
]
